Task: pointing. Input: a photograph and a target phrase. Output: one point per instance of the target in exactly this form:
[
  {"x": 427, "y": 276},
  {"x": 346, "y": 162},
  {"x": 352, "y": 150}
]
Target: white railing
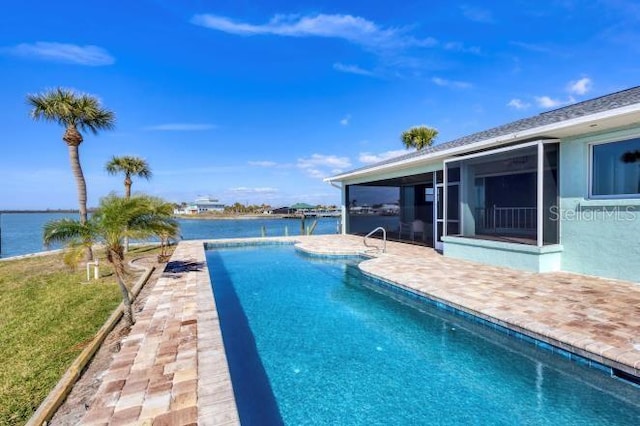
[
  {"x": 384, "y": 239},
  {"x": 507, "y": 218}
]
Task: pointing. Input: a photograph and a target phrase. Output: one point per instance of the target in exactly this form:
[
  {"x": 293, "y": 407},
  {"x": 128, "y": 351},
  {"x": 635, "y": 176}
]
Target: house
[
  {"x": 200, "y": 205},
  {"x": 283, "y": 210},
  {"x": 302, "y": 208},
  {"x": 207, "y": 204},
  {"x": 559, "y": 191},
  {"x": 186, "y": 209}
]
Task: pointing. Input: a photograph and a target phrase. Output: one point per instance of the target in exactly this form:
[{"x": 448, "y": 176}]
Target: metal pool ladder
[{"x": 384, "y": 239}]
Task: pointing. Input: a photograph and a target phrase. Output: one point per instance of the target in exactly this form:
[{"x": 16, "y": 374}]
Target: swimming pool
[{"x": 312, "y": 341}]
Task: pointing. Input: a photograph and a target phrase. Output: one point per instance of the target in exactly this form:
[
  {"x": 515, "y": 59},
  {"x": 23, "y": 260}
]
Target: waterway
[{"x": 21, "y": 233}]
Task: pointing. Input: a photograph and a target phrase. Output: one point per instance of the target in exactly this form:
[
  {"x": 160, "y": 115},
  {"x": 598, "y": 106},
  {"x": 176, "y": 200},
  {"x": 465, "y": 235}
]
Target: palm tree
[
  {"x": 418, "y": 137},
  {"x": 164, "y": 230},
  {"x": 115, "y": 219},
  {"x": 76, "y": 112},
  {"x": 130, "y": 166}
]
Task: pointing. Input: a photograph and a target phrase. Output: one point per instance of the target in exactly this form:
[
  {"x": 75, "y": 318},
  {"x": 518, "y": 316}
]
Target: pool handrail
[{"x": 384, "y": 238}]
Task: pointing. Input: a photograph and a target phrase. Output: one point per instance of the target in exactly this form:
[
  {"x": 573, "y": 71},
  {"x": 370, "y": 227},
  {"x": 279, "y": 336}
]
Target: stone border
[
  {"x": 58, "y": 394},
  {"x": 216, "y": 400}
]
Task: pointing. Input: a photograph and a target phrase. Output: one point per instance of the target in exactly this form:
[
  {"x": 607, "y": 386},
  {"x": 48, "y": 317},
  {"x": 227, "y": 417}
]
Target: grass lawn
[{"x": 47, "y": 315}]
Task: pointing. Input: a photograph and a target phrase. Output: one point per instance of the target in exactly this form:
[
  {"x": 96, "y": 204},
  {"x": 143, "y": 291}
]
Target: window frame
[{"x": 591, "y": 171}]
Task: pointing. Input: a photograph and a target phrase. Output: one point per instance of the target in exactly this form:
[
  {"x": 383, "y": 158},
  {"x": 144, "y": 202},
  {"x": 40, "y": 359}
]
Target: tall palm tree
[
  {"x": 76, "y": 112},
  {"x": 418, "y": 137},
  {"x": 115, "y": 218},
  {"x": 130, "y": 166}
]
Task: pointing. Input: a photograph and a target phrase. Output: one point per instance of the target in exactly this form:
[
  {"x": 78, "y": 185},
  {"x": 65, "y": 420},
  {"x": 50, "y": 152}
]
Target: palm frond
[
  {"x": 418, "y": 137},
  {"x": 130, "y": 166},
  {"x": 68, "y": 107},
  {"x": 65, "y": 230}
]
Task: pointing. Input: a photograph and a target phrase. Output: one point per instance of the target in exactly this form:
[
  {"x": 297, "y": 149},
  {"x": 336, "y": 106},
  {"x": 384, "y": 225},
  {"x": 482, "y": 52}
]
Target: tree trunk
[
  {"x": 81, "y": 185},
  {"x": 127, "y": 186},
  {"x": 118, "y": 267},
  {"x": 127, "y": 194}
]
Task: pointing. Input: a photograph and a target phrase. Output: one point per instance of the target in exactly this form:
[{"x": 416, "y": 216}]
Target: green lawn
[{"x": 47, "y": 315}]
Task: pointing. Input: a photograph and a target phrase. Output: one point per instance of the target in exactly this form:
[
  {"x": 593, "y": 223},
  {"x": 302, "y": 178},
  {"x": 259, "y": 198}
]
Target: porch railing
[{"x": 507, "y": 219}]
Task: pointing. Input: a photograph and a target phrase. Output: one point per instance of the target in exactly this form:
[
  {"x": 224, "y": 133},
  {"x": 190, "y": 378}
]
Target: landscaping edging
[{"x": 56, "y": 397}]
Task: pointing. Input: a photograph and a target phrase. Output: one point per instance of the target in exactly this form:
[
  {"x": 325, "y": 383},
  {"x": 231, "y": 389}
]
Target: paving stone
[
  {"x": 125, "y": 417},
  {"x": 185, "y": 416}
]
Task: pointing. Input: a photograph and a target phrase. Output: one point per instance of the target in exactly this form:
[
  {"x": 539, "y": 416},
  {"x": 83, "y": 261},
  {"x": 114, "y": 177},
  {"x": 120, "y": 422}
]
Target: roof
[
  {"x": 592, "y": 106},
  {"x": 302, "y": 206}
]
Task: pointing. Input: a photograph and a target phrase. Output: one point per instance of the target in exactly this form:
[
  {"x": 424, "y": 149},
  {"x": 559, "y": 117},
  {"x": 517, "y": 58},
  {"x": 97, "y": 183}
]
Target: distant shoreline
[
  {"x": 41, "y": 211},
  {"x": 230, "y": 217},
  {"x": 250, "y": 217},
  {"x": 194, "y": 217}
]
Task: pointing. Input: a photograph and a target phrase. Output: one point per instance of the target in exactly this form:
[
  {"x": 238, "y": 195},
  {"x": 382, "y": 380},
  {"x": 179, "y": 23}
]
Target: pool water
[{"x": 313, "y": 341}]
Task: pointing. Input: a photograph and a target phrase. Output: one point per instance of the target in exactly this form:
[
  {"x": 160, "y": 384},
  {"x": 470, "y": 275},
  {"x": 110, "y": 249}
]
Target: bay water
[{"x": 21, "y": 233}]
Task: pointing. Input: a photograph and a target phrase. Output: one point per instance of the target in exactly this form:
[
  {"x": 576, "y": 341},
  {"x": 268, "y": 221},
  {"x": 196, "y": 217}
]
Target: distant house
[
  {"x": 302, "y": 207},
  {"x": 200, "y": 205},
  {"x": 186, "y": 209},
  {"x": 208, "y": 204},
  {"x": 283, "y": 210},
  {"x": 558, "y": 191}
]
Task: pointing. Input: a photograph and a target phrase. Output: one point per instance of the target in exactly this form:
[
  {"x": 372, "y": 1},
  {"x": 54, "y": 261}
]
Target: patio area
[{"x": 172, "y": 367}]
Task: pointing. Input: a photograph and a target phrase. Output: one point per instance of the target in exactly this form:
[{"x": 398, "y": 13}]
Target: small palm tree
[
  {"x": 418, "y": 137},
  {"x": 76, "y": 112},
  {"x": 166, "y": 231},
  {"x": 130, "y": 166},
  {"x": 115, "y": 218}
]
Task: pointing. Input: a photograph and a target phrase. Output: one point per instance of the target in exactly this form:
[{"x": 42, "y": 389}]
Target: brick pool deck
[{"x": 172, "y": 367}]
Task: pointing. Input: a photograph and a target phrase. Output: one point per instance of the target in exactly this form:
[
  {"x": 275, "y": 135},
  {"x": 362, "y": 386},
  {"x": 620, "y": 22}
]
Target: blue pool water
[{"x": 313, "y": 341}]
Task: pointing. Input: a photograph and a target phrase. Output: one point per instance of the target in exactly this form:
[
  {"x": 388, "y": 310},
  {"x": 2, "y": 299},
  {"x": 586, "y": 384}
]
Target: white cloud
[
  {"x": 369, "y": 158},
  {"x": 518, "y": 104},
  {"x": 246, "y": 190},
  {"x": 63, "y": 52},
  {"x": 352, "y": 69},
  {"x": 548, "y": 102},
  {"x": 354, "y": 29},
  {"x": 263, "y": 163},
  {"x": 450, "y": 83},
  {"x": 477, "y": 14},
  {"x": 316, "y": 173},
  {"x": 580, "y": 87},
  {"x": 457, "y": 46},
  {"x": 320, "y": 166},
  {"x": 345, "y": 121},
  {"x": 324, "y": 160},
  {"x": 181, "y": 127}
]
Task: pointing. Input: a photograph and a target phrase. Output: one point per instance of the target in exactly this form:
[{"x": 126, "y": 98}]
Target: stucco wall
[
  {"x": 600, "y": 237},
  {"x": 516, "y": 256}
]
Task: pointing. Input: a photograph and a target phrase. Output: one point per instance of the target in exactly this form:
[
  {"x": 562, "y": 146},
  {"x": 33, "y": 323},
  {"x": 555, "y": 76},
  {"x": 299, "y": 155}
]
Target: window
[
  {"x": 616, "y": 168},
  {"x": 507, "y": 194}
]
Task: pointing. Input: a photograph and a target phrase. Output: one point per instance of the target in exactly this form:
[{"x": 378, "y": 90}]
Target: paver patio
[{"x": 172, "y": 368}]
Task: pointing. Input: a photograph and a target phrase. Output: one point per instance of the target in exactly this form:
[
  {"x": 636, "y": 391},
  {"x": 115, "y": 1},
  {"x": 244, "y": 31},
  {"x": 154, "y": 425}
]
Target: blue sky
[{"x": 258, "y": 101}]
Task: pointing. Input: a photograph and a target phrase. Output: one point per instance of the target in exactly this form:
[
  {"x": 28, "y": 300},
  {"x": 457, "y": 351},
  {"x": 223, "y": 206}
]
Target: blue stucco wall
[
  {"x": 516, "y": 256},
  {"x": 600, "y": 237}
]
